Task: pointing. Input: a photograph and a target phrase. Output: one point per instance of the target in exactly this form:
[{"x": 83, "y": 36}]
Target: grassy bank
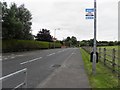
[
  {"x": 26, "y": 45},
  {"x": 104, "y": 78}
]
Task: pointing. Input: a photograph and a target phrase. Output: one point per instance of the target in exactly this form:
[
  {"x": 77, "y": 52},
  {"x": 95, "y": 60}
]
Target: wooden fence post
[
  {"x": 99, "y": 53},
  {"x": 113, "y": 59},
  {"x": 104, "y": 56}
]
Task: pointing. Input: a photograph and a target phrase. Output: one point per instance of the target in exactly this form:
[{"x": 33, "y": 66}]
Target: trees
[
  {"x": 99, "y": 43},
  {"x": 25, "y": 17},
  {"x": 111, "y": 43},
  {"x": 16, "y": 22},
  {"x": 71, "y": 41},
  {"x": 68, "y": 41},
  {"x": 44, "y": 35},
  {"x": 74, "y": 41}
]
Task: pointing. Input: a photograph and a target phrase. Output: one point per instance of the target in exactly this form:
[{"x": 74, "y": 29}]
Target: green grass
[
  {"x": 104, "y": 78},
  {"x": 110, "y": 47}
]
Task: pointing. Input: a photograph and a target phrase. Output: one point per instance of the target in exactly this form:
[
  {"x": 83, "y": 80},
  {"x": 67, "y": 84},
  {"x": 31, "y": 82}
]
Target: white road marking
[
  {"x": 51, "y": 54},
  {"x": 12, "y": 57},
  {"x": 5, "y": 58},
  {"x": 73, "y": 53},
  {"x": 30, "y": 60},
  {"x": 19, "y": 55},
  {"x": 59, "y": 51},
  {"x": 35, "y": 59},
  {"x": 63, "y": 50},
  {"x": 24, "y": 62}
]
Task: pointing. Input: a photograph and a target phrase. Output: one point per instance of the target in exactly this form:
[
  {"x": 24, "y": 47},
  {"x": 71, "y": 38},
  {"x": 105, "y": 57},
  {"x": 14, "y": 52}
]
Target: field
[{"x": 110, "y": 47}]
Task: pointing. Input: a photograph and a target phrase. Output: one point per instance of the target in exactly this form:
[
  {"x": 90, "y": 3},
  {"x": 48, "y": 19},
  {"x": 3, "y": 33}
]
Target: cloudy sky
[{"x": 69, "y": 16}]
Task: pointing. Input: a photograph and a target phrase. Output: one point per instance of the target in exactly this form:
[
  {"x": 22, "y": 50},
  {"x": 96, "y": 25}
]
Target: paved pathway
[{"x": 70, "y": 75}]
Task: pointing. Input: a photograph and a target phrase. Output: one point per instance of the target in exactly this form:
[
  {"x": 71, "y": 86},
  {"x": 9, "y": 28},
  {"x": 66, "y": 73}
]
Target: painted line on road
[
  {"x": 63, "y": 50},
  {"x": 35, "y": 59},
  {"x": 30, "y": 60},
  {"x": 19, "y": 55},
  {"x": 12, "y": 57},
  {"x": 50, "y": 54},
  {"x": 73, "y": 53},
  {"x": 5, "y": 58},
  {"x": 0, "y": 58},
  {"x": 59, "y": 51}
]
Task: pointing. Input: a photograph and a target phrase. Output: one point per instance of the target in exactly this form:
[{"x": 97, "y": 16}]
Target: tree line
[
  {"x": 99, "y": 43},
  {"x": 71, "y": 41},
  {"x": 16, "y": 25}
]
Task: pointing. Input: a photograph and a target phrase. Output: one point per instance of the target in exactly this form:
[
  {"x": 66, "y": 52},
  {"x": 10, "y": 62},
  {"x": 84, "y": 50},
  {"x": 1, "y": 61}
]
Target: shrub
[{"x": 26, "y": 45}]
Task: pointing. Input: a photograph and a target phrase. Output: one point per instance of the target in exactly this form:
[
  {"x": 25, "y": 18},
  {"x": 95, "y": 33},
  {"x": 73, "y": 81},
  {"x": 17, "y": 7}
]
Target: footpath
[{"x": 71, "y": 74}]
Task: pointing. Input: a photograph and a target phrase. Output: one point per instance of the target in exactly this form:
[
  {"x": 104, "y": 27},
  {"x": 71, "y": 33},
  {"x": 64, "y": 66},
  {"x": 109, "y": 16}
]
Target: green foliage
[
  {"x": 104, "y": 78},
  {"x": 44, "y": 35},
  {"x": 26, "y": 45},
  {"x": 71, "y": 41},
  {"x": 74, "y": 41},
  {"x": 99, "y": 43},
  {"x": 87, "y": 42},
  {"x": 111, "y": 43},
  {"x": 16, "y": 22}
]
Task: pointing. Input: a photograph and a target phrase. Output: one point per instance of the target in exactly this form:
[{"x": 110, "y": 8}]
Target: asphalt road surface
[{"x": 40, "y": 64}]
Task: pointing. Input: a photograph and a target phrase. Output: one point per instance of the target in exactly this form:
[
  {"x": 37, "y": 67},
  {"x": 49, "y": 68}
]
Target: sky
[{"x": 69, "y": 16}]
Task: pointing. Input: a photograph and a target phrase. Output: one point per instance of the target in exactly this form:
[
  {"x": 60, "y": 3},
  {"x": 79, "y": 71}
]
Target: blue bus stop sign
[
  {"x": 89, "y": 14},
  {"x": 89, "y": 10}
]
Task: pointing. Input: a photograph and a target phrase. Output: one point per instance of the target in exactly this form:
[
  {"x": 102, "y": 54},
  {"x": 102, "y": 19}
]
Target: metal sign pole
[
  {"x": 94, "y": 47},
  {"x": 54, "y": 37}
]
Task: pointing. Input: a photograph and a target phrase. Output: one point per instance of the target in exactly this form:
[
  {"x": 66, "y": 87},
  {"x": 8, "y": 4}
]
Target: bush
[{"x": 26, "y": 45}]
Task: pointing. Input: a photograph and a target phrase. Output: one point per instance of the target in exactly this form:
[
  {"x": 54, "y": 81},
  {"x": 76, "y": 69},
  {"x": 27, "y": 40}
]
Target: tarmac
[{"x": 71, "y": 74}]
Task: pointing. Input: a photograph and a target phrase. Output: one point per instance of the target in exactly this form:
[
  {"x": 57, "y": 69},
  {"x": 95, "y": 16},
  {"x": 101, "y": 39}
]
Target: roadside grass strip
[{"x": 104, "y": 77}]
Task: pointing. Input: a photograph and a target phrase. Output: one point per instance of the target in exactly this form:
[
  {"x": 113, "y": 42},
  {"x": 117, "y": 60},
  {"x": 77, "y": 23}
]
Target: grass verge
[{"x": 104, "y": 78}]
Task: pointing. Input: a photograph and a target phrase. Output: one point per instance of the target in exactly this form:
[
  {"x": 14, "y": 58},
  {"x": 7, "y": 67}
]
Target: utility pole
[
  {"x": 55, "y": 36},
  {"x": 94, "y": 47}
]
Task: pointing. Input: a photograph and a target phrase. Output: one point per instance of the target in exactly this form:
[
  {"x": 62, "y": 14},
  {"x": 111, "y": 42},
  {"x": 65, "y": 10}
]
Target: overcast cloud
[{"x": 69, "y": 16}]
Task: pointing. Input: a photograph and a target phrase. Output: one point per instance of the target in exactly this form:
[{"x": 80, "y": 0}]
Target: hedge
[{"x": 26, "y": 45}]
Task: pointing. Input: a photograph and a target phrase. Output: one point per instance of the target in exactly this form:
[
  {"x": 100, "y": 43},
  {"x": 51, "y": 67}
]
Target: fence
[
  {"x": 87, "y": 49},
  {"x": 109, "y": 57},
  {"x": 24, "y": 83}
]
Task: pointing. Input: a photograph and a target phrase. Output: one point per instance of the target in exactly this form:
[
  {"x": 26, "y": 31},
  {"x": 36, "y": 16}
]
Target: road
[{"x": 40, "y": 65}]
